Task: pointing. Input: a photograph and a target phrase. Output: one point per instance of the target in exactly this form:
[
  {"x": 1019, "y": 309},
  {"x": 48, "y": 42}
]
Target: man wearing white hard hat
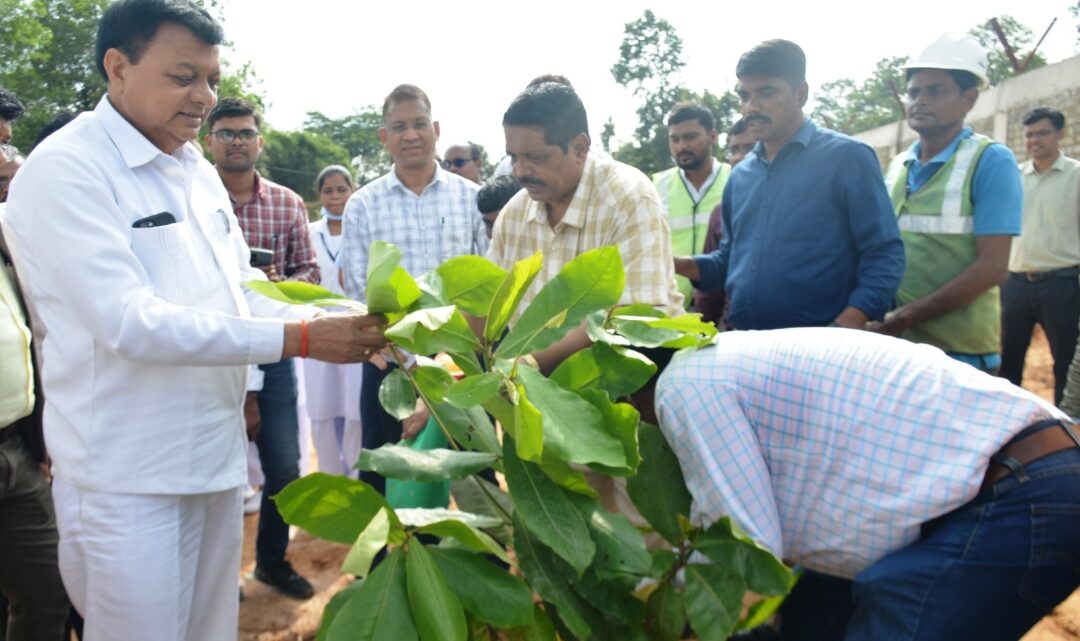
[{"x": 958, "y": 199}]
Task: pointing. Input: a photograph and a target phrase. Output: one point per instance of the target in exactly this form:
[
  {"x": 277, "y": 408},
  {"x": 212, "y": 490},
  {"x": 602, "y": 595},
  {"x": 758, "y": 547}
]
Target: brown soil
[{"x": 265, "y": 615}]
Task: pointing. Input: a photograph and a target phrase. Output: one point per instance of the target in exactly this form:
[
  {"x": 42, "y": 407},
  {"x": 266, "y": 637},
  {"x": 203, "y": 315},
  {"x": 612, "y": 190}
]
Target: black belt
[
  {"x": 1034, "y": 442},
  {"x": 1064, "y": 272}
]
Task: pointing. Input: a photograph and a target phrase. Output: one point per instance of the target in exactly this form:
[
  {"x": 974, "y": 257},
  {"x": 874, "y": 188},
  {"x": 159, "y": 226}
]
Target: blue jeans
[
  {"x": 988, "y": 570},
  {"x": 279, "y": 453}
]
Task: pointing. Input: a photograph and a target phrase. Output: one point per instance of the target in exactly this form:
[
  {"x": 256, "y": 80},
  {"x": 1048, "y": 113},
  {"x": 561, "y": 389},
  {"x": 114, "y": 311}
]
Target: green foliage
[
  {"x": 1020, "y": 39},
  {"x": 583, "y": 561},
  {"x": 297, "y": 293},
  {"x": 295, "y": 158},
  {"x": 851, "y": 107},
  {"x": 358, "y": 133}
]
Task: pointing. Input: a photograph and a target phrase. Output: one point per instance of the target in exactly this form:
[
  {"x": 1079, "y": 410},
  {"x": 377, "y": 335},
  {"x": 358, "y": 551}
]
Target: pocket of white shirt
[{"x": 167, "y": 253}]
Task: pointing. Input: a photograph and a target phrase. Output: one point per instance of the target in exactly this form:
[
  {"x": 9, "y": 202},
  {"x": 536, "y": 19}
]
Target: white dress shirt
[{"x": 147, "y": 330}]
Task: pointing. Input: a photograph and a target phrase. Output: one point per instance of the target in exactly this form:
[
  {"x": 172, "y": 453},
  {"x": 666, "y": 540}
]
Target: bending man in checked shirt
[{"x": 925, "y": 499}]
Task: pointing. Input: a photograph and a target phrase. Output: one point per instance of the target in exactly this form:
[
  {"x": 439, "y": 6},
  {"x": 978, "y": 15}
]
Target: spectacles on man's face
[
  {"x": 456, "y": 162},
  {"x": 228, "y": 135}
]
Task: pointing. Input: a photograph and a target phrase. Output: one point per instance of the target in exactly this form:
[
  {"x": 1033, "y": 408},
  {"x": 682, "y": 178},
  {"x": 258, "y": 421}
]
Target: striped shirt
[
  {"x": 614, "y": 204},
  {"x": 429, "y": 229},
  {"x": 276, "y": 219},
  {"x": 832, "y": 446}
]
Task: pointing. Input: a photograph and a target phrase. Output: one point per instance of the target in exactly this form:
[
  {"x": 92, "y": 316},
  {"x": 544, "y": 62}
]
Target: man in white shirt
[{"x": 129, "y": 254}]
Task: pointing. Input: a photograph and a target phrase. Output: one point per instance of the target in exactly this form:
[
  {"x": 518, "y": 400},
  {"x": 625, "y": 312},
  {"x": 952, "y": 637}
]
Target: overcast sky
[{"x": 472, "y": 58}]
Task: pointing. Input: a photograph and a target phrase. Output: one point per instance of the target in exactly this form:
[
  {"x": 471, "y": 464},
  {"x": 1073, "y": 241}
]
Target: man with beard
[
  {"x": 692, "y": 188},
  {"x": 809, "y": 235},
  {"x": 272, "y": 217}
]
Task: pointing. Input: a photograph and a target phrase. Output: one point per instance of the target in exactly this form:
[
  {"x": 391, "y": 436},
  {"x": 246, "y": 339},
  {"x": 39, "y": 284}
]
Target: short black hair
[
  {"x": 1056, "y": 118},
  {"x": 964, "y": 79},
  {"x": 774, "y": 58},
  {"x": 690, "y": 110},
  {"x": 496, "y": 192},
  {"x": 130, "y": 25},
  {"x": 233, "y": 108},
  {"x": 738, "y": 128},
  {"x": 404, "y": 93},
  {"x": 553, "y": 107},
  {"x": 550, "y": 77},
  {"x": 333, "y": 170},
  {"x": 10, "y": 107},
  {"x": 54, "y": 125}
]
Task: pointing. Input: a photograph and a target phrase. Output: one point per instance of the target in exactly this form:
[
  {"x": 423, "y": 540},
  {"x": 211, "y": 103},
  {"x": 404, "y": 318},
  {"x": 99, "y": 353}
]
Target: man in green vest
[
  {"x": 958, "y": 199},
  {"x": 691, "y": 189}
]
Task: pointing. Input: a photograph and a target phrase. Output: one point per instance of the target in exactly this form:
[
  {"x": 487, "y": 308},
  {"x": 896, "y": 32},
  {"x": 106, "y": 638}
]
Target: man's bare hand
[
  {"x": 851, "y": 318},
  {"x": 271, "y": 273},
  {"x": 895, "y": 324},
  {"x": 252, "y": 417},
  {"x": 416, "y": 421},
  {"x": 688, "y": 267},
  {"x": 344, "y": 338}
]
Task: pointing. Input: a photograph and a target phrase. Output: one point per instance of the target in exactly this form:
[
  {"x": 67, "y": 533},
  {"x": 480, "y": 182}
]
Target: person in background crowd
[
  {"x": 333, "y": 391},
  {"x": 147, "y": 334},
  {"x": 429, "y": 213},
  {"x": 711, "y": 304},
  {"x": 809, "y": 237},
  {"x": 273, "y": 218},
  {"x": 493, "y": 196},
  {"x": 1044, "y": 262},
  {"x": 956, "y": 240},
  {"x": 694, "y": 185},
  {"x": 464, "y": 160}
]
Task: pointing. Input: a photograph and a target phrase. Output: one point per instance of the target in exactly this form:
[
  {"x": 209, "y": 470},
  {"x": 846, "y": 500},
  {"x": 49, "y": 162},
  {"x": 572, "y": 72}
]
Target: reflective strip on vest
[{"x": 951, "y": 220}]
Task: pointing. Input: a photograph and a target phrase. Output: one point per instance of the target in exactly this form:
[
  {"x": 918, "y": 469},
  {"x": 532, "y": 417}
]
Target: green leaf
[
  {"x": 662, "y": 561},
  {"x": 621, "y": 421},
  {"x": 429, "y": 331},
  {"x": 406, "y": 464},
  {"x": 389, "y": 288},
  {"x": 474, "y": 390},
  {"x": 546, "y": 574},
  {"x": 433, "y": 381},
  {"x": 367, "y": 545},
  {"x": 520, "y": 419},
  {"x": 332, "y": 507},
  {"x": 470, "y": 282},
  {"x": 379, "y": 609},
  {"x": 615, "y": 370},
  {"x": 397, "y": 395},
  {"x": 620, "y": 547},
  {"x": 438, "y": 612},
  {"x": 334, "y": 606},
  {"x": 421, "y": 517},
  {"x": 297, "y": 293},
  {"x": 615, "y": 600},
  {"x": 665, "y": 614},
  {"x": 727, "y": 544},
  {"x": 476, "y": 495},
  {"x": 471, "y": 428},
  {"x": 467, "y": 362},
  {"x": 572, "y": 428},
  {"x": 590, "y": 282},
  {"x": 566, "y": 476},
  {"x": 485, "y": 589},
  {"x": 467, "y": 535},
  {"x": 540, "y": 630},
  {"x": 546, "y": 509},
  {"x": 761, "y": 612},
  {"x": 509, "y": 294},
  {"x": 713, "y": 600},
  {"x": 658, "y": 490}
]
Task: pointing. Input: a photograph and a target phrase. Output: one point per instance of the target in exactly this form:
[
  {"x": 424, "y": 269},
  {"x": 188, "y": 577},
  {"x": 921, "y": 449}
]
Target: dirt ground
[{"x": 268, "y": 616}]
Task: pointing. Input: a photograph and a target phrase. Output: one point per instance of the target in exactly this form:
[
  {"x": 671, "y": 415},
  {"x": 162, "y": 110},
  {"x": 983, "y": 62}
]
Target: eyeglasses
[
  {"x": 456, "y": 162},
  {"x": 228, "y": 135},
  {"x": 8, "y": 152}
]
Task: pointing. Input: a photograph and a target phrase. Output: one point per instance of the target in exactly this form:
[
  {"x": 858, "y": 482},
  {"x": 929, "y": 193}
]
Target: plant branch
[{"x": 424, "y": 397}]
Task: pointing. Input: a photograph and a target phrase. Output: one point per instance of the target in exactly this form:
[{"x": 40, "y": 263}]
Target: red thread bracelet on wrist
[{"x": 303, "y": 338}]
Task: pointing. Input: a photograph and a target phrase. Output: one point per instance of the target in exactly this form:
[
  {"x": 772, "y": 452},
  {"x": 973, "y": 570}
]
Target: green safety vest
[
  {"x": 937, "y": 226},
  {"x": 688, "y": 220}
]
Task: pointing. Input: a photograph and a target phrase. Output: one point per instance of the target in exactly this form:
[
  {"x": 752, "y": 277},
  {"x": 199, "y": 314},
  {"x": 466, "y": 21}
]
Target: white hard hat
[{"x": 954, "y": 51}]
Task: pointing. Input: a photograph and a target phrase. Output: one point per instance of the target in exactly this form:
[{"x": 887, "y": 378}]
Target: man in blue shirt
[{"x": 809, "y": 234}]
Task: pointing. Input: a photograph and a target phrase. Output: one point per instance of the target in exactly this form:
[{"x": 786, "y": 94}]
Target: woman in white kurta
[{"x": 333, "y": 391}]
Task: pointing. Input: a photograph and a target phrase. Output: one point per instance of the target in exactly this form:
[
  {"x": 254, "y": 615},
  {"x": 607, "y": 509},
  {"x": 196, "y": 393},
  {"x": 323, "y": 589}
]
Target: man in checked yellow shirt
[
  {"x": 29, "y": 576},
  {"x": 575, "y": 201}
]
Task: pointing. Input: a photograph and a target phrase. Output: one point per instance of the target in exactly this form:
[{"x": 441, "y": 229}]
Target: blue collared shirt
[{"x": 807, "y": 235}]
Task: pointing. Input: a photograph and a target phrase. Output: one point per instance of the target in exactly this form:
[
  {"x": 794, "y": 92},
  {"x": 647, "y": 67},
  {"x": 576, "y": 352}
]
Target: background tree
[
  {"x": 295, "y": 158},
  {"x": 649, "y": 65},
  {"x": 358, "y": 133},
  {"x": 1020, "y": 38},
  {"x": 851, "y": 107},
  {"x": 1075, "y": 11}
]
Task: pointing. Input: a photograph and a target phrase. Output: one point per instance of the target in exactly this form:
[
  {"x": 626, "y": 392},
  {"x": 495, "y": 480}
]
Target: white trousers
[
  {"x": 337, "y": 442},
  {"x": 151, "y": 566}
]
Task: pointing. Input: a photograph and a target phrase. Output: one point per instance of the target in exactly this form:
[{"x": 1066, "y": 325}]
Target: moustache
[
  {"x": 759, "y": 118},
  {"x": 526, "y": 182}
]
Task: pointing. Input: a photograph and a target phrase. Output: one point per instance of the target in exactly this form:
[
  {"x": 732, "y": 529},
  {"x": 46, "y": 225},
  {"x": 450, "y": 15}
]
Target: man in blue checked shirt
[{"x": 925, "y": 499}]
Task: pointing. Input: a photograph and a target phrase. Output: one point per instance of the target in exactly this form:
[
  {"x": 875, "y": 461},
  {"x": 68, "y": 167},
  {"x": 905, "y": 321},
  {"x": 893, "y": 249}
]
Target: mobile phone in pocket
[{"x": 157, "y": 220}]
